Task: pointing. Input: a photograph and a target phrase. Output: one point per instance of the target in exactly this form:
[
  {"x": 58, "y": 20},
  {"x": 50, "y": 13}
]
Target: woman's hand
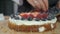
[{"x": 41, "y": 4}]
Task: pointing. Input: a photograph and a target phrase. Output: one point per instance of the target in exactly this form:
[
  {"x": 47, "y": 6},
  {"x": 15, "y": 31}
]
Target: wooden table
[{"x": 4, "y": 29}]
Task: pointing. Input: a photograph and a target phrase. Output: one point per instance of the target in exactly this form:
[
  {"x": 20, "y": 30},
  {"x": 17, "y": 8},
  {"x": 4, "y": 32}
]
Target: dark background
[{"x": 6, "y": 7}]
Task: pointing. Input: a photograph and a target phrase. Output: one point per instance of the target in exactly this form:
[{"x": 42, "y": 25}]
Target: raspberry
[
  {"x": 37, "y": 19},
  {"x": 31, "y": 16},
  {"x": 39, "y": 16},
  {"x": 24, "y": 16}
]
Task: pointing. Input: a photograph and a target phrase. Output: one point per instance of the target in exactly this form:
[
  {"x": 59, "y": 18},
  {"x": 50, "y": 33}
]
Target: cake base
[{"x": 32, "y": 28}]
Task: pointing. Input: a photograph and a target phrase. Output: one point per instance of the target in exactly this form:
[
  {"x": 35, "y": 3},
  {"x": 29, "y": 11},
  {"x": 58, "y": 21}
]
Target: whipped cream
[
  {"x": 41, "y": 29},
  {"x": 33, "y": 22}
]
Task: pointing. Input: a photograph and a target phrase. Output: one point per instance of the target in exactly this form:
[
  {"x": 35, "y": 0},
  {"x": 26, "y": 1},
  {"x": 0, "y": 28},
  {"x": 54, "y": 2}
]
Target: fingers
[
  {"x": 41, "y": 4},
  {"x": 37, "y": 4},
  {"x": 34, "y": 3},
  {"x": 46, "y": 3},
  {"x": 43, "y": 7},
  {"x": 31, "y": 2}
]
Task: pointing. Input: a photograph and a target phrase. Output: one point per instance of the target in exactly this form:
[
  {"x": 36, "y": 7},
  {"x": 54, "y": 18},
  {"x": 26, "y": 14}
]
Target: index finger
[
  {"x": 31, "y": 2},
  {"x": 46, "y": 3}
]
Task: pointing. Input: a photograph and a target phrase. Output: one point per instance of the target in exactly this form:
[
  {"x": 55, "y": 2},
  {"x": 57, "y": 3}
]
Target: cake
[{"x": 34, "y": 21}]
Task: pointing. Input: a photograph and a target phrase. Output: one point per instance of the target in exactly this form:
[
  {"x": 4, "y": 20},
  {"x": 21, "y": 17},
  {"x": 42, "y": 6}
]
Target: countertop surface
[{"x": 4, "y": 29}]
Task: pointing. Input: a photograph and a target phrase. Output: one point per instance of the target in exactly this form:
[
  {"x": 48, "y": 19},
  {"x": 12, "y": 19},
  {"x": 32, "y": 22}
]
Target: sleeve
[{"x": 19, "y": 2}]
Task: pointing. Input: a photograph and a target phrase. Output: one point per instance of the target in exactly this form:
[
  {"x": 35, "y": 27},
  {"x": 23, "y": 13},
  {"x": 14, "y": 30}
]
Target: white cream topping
[
  {"x": 41, "y": 29},
  {"x": 33, "y": 22},
  {"x": 52, "y": 26}
]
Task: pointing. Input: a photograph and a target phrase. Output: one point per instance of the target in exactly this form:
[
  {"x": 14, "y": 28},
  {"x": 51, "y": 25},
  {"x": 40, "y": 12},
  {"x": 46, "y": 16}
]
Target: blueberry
[
  {"x": 53, "y": 17},
  {"x": 49, "y": 18},
  {"x": 17, "y": 18},
  {"x": 12, "y": 16},
  {"x": 56, "y": 11},
  {"x": 37, "y": 19},
  {"x": 22, "y": 18},
  {"x": 17, "y": 13},
  {"x": 44, "y": 19},
  {"x": 52, "y": 11},
  {"x": 30, "y": 18}
]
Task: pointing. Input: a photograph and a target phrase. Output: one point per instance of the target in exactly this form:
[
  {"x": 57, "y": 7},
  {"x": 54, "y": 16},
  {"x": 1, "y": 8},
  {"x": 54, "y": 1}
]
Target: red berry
[
  {"x": 39, "y": 16},
  {"x": 31, "y": 16},
  {"x": 35, "y": 14},
  {"x": 24, "y": 16},
  {"x": 45, "y": 15}
]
